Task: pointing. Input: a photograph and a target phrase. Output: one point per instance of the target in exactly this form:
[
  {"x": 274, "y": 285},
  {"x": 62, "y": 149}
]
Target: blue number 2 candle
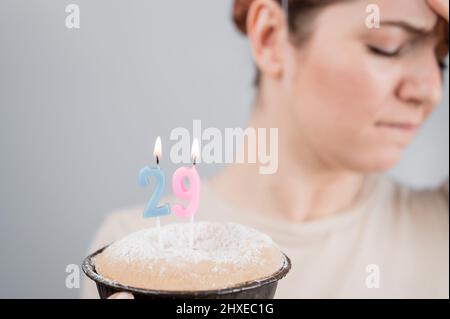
[{"x": 152, "y": 209}]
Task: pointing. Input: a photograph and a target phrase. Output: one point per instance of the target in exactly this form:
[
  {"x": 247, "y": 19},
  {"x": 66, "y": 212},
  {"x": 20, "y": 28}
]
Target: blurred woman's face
[{"x": 360, "y": 95}]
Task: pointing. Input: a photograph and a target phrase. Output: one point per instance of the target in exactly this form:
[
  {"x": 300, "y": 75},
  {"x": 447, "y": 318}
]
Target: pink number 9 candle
[{"x": 189, "y": 193}]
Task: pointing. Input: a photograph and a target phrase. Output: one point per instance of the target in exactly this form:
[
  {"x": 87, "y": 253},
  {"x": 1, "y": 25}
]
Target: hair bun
[{"x": 240, "y": 11}]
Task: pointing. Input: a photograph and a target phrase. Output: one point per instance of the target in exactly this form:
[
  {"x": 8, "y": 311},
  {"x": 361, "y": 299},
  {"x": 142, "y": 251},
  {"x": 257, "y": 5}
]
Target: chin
[
  {"x": 376, "y": 162},
  {"x": 385, "y": 160}
]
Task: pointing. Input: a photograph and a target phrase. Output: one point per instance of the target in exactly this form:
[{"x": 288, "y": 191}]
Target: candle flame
[
  {"x": 158, "y": 148},
  {"x": 195, "y": 151}
]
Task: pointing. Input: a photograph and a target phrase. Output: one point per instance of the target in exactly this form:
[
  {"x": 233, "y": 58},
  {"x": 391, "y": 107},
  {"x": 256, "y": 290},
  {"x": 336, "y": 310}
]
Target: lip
[{"x": 402, "y": 126}]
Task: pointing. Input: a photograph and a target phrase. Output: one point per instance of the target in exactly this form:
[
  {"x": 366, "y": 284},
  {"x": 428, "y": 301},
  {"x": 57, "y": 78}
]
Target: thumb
[{"x": 121, "y": 295}]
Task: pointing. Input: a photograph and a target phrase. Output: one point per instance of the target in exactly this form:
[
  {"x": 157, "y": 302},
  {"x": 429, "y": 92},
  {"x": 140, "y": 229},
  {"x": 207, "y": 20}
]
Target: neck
[{"x": 304, "y": 188}]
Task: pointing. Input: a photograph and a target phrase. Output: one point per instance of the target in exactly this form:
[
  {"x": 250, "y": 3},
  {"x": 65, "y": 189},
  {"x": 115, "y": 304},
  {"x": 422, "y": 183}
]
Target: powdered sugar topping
[{"x": 227, "y": 242}]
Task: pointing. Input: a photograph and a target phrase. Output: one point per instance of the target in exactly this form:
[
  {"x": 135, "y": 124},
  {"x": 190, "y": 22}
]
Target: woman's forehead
[{"x": 414, "y": 12}]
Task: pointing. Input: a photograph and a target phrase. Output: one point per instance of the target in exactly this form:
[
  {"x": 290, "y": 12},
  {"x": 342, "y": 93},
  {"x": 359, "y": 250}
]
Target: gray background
[{"x": 80, "y": 110}]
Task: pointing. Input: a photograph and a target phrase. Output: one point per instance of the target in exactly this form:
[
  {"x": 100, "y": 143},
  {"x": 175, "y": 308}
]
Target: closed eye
[
  {"x": 394, "y": 54},
  {"x": 384, "y": 53}
]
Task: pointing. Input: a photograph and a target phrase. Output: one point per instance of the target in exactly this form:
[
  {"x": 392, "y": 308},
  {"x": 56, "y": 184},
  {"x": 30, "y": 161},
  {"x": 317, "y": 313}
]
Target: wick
[{"x": 157, "y": 160}]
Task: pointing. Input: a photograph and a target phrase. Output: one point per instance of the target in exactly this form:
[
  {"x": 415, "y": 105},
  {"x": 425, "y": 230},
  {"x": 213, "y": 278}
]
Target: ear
[{"x": 267, "y": 32}]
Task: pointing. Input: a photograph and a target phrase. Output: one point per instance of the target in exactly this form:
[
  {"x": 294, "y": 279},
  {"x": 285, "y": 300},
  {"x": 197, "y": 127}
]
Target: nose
[{"x": 422, "y": 83}]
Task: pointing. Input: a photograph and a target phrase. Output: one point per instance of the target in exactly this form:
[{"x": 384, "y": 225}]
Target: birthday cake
[{"x": 220, "y": 256}]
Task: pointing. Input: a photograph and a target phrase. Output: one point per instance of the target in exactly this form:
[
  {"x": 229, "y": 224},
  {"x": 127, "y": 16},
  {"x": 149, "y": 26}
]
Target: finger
[
  {"x": 121, "y": 295},
  {"x": 441, "y": 7}
]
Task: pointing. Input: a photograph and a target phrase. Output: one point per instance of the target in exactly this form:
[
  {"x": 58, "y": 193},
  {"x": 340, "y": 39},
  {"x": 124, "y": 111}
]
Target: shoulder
[
  {"x": 430, "y": 199},
  {"x": 116, "y": 225},
  {"x": 424, "y": 208}
]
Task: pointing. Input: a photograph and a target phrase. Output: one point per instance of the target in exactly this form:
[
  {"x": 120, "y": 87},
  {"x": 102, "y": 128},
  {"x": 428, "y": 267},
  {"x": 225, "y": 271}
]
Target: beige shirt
[{"x": 394, "y": 243}]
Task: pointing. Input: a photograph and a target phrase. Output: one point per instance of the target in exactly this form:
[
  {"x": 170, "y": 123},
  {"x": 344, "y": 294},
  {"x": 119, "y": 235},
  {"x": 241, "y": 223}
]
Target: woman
[{"x": 347, "y": 99}]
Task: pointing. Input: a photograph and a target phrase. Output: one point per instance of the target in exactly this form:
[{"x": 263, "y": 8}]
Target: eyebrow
[{"x": 408, "y": 27}]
